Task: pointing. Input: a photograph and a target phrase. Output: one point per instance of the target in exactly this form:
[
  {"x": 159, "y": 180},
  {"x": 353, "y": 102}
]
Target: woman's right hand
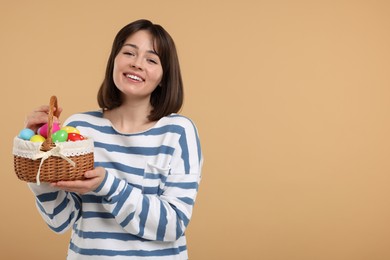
[{"x": 39, "y": 117}]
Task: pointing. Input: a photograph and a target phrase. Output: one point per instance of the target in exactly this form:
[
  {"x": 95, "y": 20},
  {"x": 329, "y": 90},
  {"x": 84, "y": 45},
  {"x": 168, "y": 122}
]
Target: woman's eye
[
  {"x": 152, "y": 61},
  {"x": 128, "y": 53}
]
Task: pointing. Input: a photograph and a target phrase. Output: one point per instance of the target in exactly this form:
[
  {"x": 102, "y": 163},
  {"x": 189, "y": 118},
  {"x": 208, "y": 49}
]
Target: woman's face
[{"x": 137, "y": 67}]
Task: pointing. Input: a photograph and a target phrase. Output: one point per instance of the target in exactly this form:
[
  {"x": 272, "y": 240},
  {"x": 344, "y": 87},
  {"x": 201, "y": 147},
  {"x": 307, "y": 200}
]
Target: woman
[{"x": 138, "y": 200}]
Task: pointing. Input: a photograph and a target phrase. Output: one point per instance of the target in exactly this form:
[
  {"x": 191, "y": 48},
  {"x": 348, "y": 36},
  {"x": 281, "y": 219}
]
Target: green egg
[{"x": 59, "y": 136}]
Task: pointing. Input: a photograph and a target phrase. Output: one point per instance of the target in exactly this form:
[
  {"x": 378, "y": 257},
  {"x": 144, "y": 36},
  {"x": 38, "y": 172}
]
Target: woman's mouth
[{"x": 134, "y": 77}]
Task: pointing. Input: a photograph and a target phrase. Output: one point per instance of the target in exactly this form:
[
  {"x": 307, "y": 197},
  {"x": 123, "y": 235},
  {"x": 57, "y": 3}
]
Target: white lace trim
[{"x": 30, "y": 150}]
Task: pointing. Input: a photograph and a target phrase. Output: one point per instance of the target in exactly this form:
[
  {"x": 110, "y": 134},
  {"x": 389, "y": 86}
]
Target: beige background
[{"x": 291, "y": 99}]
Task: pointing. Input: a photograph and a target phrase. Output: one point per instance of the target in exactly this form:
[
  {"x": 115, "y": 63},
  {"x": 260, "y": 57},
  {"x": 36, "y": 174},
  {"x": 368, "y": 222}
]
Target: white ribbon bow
[{"x": 56, "y": 151}]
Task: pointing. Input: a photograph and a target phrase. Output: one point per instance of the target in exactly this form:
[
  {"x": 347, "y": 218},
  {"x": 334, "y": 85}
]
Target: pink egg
[{"x": 43, "y": 129}]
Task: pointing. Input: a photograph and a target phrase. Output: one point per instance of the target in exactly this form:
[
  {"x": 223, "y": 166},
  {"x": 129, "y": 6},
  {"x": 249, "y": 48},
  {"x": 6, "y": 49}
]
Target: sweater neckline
[{"x": 109, "y": 123}]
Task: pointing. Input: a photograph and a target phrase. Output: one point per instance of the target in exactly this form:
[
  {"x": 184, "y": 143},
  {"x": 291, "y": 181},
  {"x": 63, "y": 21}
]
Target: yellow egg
[
  {"x": 37, "y": 138},
  {"x": 70, "y": 129}
]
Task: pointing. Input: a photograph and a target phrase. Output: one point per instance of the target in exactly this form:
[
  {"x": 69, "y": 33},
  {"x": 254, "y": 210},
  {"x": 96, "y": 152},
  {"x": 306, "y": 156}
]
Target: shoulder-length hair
[{"x": 168, "y": 97}]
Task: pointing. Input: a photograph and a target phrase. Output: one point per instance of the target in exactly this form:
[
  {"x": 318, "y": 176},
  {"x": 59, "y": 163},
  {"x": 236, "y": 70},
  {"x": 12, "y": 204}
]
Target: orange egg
[{"x": 70, "y": 129}]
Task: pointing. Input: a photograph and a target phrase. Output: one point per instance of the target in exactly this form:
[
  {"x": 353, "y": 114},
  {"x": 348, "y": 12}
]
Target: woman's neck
[{"x": 130, "y": 117}]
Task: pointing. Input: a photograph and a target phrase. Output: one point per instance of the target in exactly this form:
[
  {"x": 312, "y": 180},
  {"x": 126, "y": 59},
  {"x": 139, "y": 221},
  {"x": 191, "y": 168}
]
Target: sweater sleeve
[
  {"x": 59, "y": 209},
  {"x": 165, "y": 215}
]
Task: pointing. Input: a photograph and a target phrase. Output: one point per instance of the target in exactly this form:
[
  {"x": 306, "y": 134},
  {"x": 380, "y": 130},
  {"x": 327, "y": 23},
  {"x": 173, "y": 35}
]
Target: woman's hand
[
  {"x": 93, "y": 179},
  {"x": 39, "y": 117}
]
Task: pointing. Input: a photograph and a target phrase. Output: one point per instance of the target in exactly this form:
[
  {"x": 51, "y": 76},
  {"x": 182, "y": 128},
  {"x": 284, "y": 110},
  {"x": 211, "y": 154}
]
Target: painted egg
[
  {"x": 43, "y": 129},
  {"x": 70, "y": 129},
  {"x": 37, "y": 139},
  {"x": 59, "y": 136},
  {"x": 26, "y": 134},
  {"x": 75, "y": 137}
]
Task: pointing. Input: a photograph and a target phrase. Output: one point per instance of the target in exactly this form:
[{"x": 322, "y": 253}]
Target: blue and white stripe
[{"x": 144, "y": 204}]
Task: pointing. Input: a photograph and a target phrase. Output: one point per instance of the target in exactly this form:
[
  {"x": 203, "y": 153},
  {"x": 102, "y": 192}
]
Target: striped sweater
[{"x": 144, "y": 204}]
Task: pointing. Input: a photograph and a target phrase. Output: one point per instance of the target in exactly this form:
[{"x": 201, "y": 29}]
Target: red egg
[{"x": 75, "y": 137}]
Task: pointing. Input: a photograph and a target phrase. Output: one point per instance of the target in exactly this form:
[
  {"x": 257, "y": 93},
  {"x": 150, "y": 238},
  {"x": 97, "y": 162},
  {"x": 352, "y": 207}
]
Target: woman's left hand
[{"x": 93, "y": 179}]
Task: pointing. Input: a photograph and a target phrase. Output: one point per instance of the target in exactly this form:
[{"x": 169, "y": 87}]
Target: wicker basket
[{"x": 49, "y": 161}]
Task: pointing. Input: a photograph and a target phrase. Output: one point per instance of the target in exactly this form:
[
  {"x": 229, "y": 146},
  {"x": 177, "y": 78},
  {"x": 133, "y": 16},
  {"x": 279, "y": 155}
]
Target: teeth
[{"x": 133, "y": 77}]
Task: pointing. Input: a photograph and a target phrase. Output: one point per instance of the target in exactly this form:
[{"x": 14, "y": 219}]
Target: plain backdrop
[{"x": 291, "y": 100}]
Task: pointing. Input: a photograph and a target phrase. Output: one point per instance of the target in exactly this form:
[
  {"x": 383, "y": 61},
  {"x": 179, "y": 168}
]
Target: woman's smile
[
  {"x": 134, "y": 77},
  {"x": 137, "y": 67}
]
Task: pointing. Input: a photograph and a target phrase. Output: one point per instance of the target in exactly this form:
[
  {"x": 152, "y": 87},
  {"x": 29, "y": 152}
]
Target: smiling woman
[
  {"x": 137, "y": 69},
  {"x": 138, "y": 200},
  {"x": 168, "y": 96}
]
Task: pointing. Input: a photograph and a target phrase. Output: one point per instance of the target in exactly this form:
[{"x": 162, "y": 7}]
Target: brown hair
[{"x": 166, "y": 98}]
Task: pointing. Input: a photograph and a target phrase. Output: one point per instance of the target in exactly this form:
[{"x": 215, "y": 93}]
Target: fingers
[
  {"x": 78, "y": 186},
  {"x": 69, "y": 185},
  {"x": 97, "y": 172},
  {"x": 56, "y": 118},
  {"x": 92, "y": 181},
  {"x": 39, "y": 117}
]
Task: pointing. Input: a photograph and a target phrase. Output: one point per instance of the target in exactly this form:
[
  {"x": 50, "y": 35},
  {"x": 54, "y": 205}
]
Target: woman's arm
[
  {"x": 164, "y": 215},
  {"x": 59, "y": 209}
]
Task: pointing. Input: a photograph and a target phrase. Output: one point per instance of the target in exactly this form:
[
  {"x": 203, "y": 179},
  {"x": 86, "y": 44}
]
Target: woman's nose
[{"x": 136, "y": 63}]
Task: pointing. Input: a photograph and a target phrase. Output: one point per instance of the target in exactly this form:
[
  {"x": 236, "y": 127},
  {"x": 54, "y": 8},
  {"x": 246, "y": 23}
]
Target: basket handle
[{"x": 53, "y": 111}]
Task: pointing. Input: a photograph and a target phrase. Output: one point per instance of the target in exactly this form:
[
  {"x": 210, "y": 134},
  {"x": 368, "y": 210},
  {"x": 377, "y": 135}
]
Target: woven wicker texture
[{"x": 54, "y": 168}]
